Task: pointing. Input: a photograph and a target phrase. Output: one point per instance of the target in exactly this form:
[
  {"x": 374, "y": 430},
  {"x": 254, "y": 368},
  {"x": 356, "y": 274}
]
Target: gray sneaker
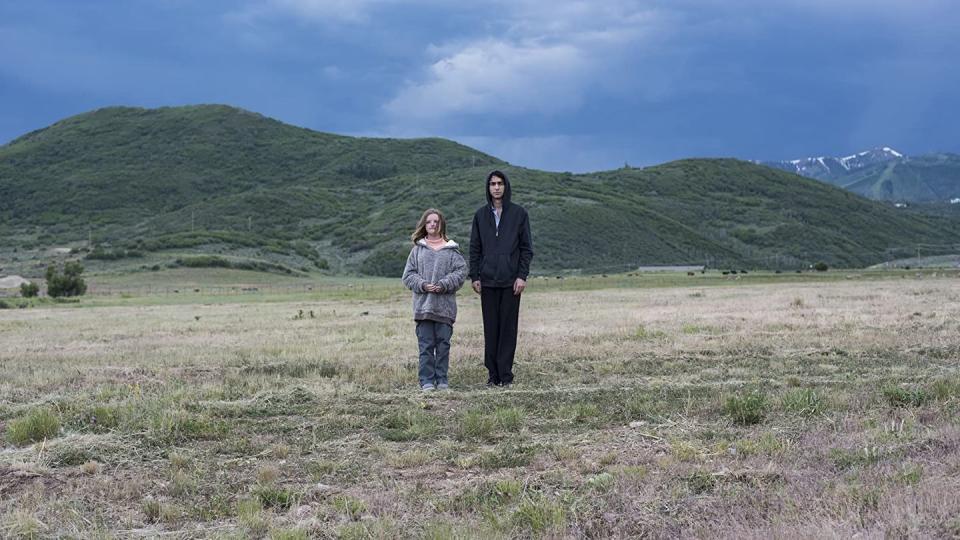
[
  {"x": 443, "y": 386},
  {"x": 427, "y": 387}
]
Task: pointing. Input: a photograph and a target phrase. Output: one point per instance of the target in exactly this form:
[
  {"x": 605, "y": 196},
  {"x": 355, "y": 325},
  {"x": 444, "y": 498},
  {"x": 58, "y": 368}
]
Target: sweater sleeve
[
  {"x": 526, "y": 248},
  {"x": 411, "y": 275},
  {"x": 476, "y": 249},
  {"x": 457, "y": 275}
]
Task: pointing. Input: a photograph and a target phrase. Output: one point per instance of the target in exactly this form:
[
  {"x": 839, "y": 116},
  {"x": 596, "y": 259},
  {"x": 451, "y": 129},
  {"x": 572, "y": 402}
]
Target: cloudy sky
[{"x": 552, "y": 84}]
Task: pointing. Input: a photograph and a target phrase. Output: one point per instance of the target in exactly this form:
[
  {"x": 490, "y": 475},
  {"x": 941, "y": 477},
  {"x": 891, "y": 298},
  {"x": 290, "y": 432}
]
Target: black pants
[{"x": 501, "y": 314}]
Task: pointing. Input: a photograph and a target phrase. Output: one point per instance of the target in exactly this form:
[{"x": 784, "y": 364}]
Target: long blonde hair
[{"x": 421, "y": 230}]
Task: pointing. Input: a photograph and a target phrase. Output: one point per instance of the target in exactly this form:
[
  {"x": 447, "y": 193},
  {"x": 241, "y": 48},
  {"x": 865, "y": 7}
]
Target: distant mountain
[
  {"x": 932, "y": 178},
  {"x": 884, "y": 174},
  {"x": 220, "y": 180},
  {"x": 830, "y": 169}
]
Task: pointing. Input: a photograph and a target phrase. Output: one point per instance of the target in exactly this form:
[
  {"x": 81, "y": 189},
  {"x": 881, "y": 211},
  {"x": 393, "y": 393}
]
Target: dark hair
[
  {"x": 506, "y": 186},
  {"x": 421, "y": 230}
]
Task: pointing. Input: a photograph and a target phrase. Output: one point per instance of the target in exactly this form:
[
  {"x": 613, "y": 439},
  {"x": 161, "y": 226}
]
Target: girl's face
[{"x": 433, "y": 224}]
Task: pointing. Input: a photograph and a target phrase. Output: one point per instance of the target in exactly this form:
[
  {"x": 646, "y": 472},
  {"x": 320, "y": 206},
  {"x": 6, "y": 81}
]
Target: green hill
[
  {"x": 122, "y": 165},
  {"x": 219, "y": 180}
]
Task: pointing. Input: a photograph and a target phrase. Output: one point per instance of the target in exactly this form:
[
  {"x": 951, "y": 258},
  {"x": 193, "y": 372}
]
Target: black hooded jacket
[{"x": 499, "y": 257}]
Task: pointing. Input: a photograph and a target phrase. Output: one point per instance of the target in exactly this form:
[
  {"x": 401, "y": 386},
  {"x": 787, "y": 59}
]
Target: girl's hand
[{"x": 430, "y": 287}]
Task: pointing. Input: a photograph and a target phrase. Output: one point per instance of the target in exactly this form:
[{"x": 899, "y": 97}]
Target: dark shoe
[{"x": 492, "y": 384}]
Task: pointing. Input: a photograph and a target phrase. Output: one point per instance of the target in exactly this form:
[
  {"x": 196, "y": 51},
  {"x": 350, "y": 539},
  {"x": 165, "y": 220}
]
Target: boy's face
[{"x": 496, "y": 187}]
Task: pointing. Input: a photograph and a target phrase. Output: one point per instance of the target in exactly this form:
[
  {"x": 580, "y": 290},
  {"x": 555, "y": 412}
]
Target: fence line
[{"x": 216, "y": 290}]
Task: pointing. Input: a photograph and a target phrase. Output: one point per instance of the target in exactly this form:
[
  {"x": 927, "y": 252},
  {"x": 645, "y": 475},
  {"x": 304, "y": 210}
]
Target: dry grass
[{"x": 790, "y": 410}]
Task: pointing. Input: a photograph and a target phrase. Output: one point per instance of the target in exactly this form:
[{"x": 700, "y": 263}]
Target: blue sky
[{"x": 551, "y": 84}]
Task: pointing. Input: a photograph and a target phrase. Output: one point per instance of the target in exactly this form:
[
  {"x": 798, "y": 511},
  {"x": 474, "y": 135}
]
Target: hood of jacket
[
  {"x": 449, "y": 245},
  {"x": 506, "y": 188}
]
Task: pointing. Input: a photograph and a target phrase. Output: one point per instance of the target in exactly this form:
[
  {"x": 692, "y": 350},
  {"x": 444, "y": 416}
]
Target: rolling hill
[{"x": 219, "y": 180}]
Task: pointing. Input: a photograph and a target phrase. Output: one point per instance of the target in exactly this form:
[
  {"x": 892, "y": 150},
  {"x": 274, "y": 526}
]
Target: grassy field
[{"x": 645, "y": 406}]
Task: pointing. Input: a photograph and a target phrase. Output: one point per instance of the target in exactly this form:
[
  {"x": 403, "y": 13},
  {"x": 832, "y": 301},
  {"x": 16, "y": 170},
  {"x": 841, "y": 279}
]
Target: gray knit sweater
[{"x": 444, "y": 267}]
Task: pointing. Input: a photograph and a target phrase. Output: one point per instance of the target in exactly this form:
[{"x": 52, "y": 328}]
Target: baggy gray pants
[{"x": 434, "y": 340}]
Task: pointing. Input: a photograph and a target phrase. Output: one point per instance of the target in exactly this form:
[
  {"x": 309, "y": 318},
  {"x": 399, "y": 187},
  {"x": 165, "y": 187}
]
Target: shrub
[
  {"x": 68, "y": 283},
  {"x": 848, "y": 458},
  {"x": 803, "y": 401},
  {"x": 275, "y": 497},
  {"x": 212, "y": 261},
  {"x": 909, "y": 475},
  {"x": 289, "y": 534},
  {"x": 481, "y": 424},
  {"x": 899, "y": 396},
  {"x": 506, "y": 456},
  {"x": 93, "y": 418},
  {"x": 250, "y": 515},
  {"x": 945, "y": 388},
  {"x": 352, "y": 507},
  {"x": 182, "y": 484},
  {"x": 601, "y": 482},
  {"x": 490, "y": 495},
  {"x": 476, "y": 424},
  {"x": 29, "y": 289},
  {"x": 538, "y": 515},
  {"x": 701, "y": 481},
  {"x": 821, "y": 266},
  {"x": 408, "y": 425},
  {"x": 386, "y": 261},
  {"x": 508, "y": 418},
  {"x": 204, "y": 261},
  {"x": 113, "y": 254},
  {"x": 38, "y": 425},
  {"x": 22, "y": 524},
  {"x": 65, "y": 455},
  {"x": 172, "y": 426},
  {"x": 151, "y": 510},
  {"x": 642, "y": 333},
  {"x": 746, "y": 409},
  {"x": 582, "y": 412}
]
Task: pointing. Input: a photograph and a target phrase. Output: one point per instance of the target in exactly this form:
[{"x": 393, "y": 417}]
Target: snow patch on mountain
[{"x": 824, "y": 167}]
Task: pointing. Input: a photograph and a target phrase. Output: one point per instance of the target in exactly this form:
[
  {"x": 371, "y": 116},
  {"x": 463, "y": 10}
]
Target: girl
[{"x": 435, "y": 270}]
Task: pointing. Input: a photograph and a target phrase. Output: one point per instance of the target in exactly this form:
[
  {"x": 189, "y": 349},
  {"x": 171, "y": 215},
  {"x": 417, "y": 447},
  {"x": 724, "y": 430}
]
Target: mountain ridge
[
  {"x": 882, "y": 173},
  {"x": 217, "y": 179}
]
